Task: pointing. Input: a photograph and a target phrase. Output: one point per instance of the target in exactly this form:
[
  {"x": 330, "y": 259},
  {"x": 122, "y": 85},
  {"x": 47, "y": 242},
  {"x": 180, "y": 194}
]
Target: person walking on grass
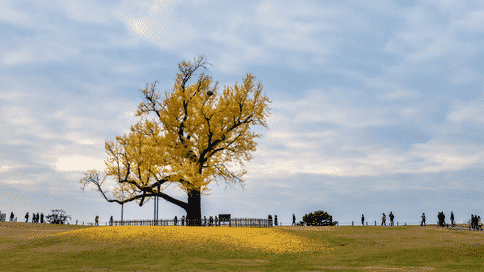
[
  {"x": 452, "y": 219},
  {"x": 384, "y": 220},
  {"x": 423, "y": 220},
  {"x": 362, "y": 219},
  {"x": 391, "y": 218},
  {"x": 27, "y": 217},
  {"x": 97, "y": 220}
]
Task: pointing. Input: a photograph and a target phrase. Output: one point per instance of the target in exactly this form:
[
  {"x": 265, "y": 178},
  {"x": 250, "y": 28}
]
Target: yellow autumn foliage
[{"x": 262, "y": 239}]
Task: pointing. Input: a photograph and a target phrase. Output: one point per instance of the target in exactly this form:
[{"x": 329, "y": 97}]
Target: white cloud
[
  {"x": 463, "y": 76},
  {"x": 14, "y": 96},
  {"x": 5, "y": 168},
  {"x": 79, "y": 163},
  {"x": 462, "y": 111},
  {"x": 17, "y": 58},
  {"x": 17, "y": 116},
  {"x": 82, "y": 138},
  {"x": 13, "y": 16},
  {"x": 473, "y": 22},
  {"x": 85, "y": 11},
  {"x": 156, "y": 25}
]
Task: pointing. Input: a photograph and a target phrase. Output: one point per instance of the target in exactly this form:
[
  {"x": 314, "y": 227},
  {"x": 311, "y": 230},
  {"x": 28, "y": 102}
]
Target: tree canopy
[
  {"x": 188, "y": 137},
  {"x": 319, "y": 218}
]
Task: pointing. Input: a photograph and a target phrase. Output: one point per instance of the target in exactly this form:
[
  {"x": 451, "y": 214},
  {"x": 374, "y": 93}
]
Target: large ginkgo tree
[{"x": 191, "y": 136}]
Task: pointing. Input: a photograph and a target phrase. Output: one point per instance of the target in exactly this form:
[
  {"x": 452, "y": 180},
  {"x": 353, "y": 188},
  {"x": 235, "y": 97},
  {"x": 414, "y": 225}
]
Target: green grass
[{"x": 345, "y": 248}]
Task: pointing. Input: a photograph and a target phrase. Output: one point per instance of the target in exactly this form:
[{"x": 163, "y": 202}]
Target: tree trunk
[{"x": 194, "y": 209}]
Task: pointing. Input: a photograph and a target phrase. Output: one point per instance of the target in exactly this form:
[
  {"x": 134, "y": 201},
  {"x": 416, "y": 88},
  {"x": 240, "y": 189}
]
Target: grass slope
[{"x": 43, "y": 247}]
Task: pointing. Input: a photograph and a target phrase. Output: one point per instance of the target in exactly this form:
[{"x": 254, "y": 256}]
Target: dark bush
[{"x": 318, "y": 218}]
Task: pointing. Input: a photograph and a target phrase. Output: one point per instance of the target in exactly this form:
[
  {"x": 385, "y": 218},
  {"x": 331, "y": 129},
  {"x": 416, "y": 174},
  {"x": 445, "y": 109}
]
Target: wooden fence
[{"x": 234, "y": 222}]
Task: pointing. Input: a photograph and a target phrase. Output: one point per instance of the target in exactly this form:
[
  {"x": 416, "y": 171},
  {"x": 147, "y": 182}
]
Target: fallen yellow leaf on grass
[{"x": 265, "y": 239}]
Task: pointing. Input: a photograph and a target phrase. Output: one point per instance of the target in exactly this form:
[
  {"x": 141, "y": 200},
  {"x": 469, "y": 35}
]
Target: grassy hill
[{"x": 44, "y": 247}]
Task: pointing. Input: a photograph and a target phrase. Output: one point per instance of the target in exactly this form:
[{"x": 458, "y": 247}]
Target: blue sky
[{"x": 377, "y": 105}]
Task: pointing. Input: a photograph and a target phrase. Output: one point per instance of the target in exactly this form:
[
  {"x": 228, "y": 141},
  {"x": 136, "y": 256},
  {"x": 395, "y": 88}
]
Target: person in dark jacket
[
  {"x": 27, "y": 217},
  {"x": 362, "y": 220}
]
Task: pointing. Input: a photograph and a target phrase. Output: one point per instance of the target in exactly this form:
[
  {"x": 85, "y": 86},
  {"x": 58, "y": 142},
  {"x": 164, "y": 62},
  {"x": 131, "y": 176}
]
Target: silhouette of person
[
  {"x": 452, "y": 218},
  {"x": 11, "y": 217},
  {"x": 175, "y": 220},
  {"x": 275, "y": 220},
  {"x": 216, "y": 221},
  {"x": 441, "y": 219},
  {"x": 384, "y": 220},
  {"x": 423, "y": 220},
  {"x": 293, "y": 220},
  {"x": 210, "y": 221},
  {"x": 27, "y": 217},
  {"x": 111, "y": 221},
  {"x": 97, "y": 220},
  {"x": 37, "y": 218},
  {"x": 270, "y": 220},
  {"x": 205, "y": 220},
  {"x": 42, "y": 218},
  {"x": 391, "y": 218},
  {"x": 362, "y": 219}
]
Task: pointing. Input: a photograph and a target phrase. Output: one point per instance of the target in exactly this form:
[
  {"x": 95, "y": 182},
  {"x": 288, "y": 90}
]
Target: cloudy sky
[{"x": 377, "y": 105}]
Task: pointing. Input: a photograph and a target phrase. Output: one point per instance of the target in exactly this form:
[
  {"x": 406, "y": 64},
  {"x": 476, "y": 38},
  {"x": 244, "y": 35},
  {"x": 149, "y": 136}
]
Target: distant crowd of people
[
  {"x": 36, "y": 218},
  {"x": 475, "y": 222}
]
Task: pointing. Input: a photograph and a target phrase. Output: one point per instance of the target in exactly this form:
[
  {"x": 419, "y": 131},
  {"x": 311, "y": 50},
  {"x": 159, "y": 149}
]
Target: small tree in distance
[
  {"x": 57, "y": 217},
  {"x": 319, "y": 218}
]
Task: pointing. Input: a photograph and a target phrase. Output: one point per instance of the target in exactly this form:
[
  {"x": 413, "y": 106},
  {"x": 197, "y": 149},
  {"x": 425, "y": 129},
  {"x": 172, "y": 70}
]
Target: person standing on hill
[
  {"x": 391, "y": 218},
  {"x": 293, "y": 220},
  {"x": 452, "y": 218},
  {"x": 97, "y": 220},
  {"x": 384, "y": 220},
  {"x": 363, "y": 219},
  {"x": 423, "y": 220},
  {"x": 111, "y": 221},
  {"x": 27, "y": 217},
  {"x": 441, "y": 219}
]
